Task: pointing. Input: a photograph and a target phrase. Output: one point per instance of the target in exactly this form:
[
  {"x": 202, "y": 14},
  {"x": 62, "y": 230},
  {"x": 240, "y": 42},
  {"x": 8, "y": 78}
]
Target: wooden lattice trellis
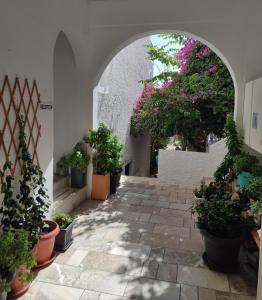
[{"x": 19, "y": 98}]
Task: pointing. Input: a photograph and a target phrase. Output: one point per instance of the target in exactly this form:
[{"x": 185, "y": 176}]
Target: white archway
[{"x": 65, "y": 100}]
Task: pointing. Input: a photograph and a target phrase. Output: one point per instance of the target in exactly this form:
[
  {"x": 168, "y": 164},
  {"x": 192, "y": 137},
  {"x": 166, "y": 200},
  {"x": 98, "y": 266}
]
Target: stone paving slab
[
  {"x": 144, "y": 288},
  {"x": 203, "y": 278},
  {"x": 47, "y": 291}
]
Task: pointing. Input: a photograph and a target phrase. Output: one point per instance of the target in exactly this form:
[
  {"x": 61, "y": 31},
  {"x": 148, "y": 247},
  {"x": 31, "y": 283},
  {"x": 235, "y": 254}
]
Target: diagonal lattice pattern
[{"x": 18, "y": 97}]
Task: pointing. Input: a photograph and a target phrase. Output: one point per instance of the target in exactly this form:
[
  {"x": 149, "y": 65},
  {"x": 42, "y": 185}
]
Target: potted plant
[
  {"x": 99, "y": 140},
  {"x": 64, "y": 238},
  {"x": 15, "y": 246},
  {"x": 222, "y": 221},
  {"x": 78, "y": 161},
  {"x": 246, "y": 166},
  {"x": 27, "y": 209}
]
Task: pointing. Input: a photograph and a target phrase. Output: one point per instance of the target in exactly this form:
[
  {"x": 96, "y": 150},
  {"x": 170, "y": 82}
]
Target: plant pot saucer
[
  {"x": 65, "y": 247},
  {"x": 228, "y": 269},
  {"x": 19, "y": 293},
  {"x": 46, "y": 263}
]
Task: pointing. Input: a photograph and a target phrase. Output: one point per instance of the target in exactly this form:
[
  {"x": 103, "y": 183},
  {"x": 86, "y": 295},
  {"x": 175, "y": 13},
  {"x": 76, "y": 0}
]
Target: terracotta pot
[
  {"x": 45, "y": 246},
  {"x": 18, "y": 286},
  {"x": 100, "y": 186}
]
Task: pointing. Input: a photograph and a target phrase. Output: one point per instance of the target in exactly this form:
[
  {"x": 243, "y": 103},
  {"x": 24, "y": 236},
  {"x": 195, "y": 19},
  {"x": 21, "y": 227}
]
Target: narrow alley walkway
[{"x": 141, "y": 243}]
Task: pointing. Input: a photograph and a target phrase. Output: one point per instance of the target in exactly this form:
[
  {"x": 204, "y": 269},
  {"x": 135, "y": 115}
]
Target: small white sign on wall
[{"x": 46, "y": 105}]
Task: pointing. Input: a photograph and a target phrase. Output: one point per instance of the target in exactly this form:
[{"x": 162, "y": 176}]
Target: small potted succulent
[
  {"x": 78, "y": 162},
  {"x": 64, "y": 238},
  {"x": 223, "y": 220},
  {"x": 15, "y": 252}
]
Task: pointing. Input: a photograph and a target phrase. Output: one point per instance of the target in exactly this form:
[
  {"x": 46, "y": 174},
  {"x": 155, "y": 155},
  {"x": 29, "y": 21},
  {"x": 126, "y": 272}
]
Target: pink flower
[
  {"x": 156, "y": 108},
  {"x": 213, "y": 69},
  {"x": 194, "y": 98},
  {"x": 167, "y": 84},
  {"x": 173, "y": 78},
  {"x": 183, "y": 94}
]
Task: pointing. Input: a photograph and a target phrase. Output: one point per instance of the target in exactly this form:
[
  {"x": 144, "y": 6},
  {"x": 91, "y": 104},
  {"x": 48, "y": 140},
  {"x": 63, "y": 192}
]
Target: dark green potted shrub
[
  {"x": 78, "y": 162},
  {"x": 66, "y": 224},
  {"x": 116, "y": 162},
  {"x": 99, "y": 140},
  {"x": 245, "y": 167},
  {"x": 15, "y": 251},
  {"x": 223, "y": 224}
]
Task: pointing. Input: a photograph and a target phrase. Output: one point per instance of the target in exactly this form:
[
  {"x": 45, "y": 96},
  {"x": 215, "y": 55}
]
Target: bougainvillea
[{"x": 191, "y": 102}]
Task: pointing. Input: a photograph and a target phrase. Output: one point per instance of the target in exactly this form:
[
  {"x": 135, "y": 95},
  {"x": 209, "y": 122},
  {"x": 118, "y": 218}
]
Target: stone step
[
  {"x": 68, "y": 199},
  {"x": 60, "y": 184}
]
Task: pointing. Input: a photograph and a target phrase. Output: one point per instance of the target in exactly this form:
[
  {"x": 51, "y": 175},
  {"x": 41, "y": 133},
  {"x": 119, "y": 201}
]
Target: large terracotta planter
[
  {"x": 45, "y": 246},
  {"x": 100, "y": 186},
  {"x": 18, "y": 286}
]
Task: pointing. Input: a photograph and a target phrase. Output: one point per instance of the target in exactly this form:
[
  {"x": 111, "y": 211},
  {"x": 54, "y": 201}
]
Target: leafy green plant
[
  {"x": 200, "y": 192},
  {"x": 28, "y": 207},
  {"x": 107, "y": 150},
  {"x": 62, "y": 219},
  {"x": 254, "y": 193},
  {"x": 79, "y": 159},
  {"x": 234, "y": 145},
  {"x": 15, "y": 246},
  {"x": 246, "y": 162},
  {"x": 221, "y": 216}
]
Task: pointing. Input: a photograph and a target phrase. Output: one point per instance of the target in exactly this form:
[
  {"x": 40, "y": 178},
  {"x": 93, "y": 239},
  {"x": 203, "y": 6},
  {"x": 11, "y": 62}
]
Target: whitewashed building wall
[{"x": 188, "y": 168}]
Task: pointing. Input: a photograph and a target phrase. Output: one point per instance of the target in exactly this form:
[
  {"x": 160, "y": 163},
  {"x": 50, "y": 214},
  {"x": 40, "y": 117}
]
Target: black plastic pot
[
  {"x": 113, "y": 183},
  {"x": 64, "y": 239},
  {"x": 115, "y": 180},
  {"x": 78, "y": 178},
  {"x": 221, "y": 253}
]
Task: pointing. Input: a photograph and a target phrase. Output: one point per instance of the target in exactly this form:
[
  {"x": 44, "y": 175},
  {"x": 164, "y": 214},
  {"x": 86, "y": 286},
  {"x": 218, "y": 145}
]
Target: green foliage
[
  {"x": 200, "y": 192},
  {"x": 254, "y": 188},
  {"x": 107, "y": 155},
  {"x": 15, "y": 246},
  {"x": 191, "y": 103},
  {"x": 78, "y": 159},
  {"x": 27, "y": 209},
  {"x": 234, "y": 145},
  {"x": 246, "y": 162},
  {"x": 4, "y": 285},
  {"x": 221, "y": 216},
  {"x": 62, "y": 219},
  {"x": 254, "y": 192}
]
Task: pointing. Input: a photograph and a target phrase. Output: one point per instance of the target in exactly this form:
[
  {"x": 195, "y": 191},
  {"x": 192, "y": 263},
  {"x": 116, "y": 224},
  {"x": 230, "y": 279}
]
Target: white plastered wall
[
  {"x": 253, "y": 104},
  {"x": 117, "y": 90},
  {"x": 28, "y": 32},
  {"x": 187, "y": 168}
]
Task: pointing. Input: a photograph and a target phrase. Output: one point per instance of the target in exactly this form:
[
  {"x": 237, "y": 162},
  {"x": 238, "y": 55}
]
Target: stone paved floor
[{"x": 140, "y": 244}]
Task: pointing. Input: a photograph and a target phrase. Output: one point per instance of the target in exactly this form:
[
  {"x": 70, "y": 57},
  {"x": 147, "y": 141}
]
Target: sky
[{"x": 157, "y": 40}]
